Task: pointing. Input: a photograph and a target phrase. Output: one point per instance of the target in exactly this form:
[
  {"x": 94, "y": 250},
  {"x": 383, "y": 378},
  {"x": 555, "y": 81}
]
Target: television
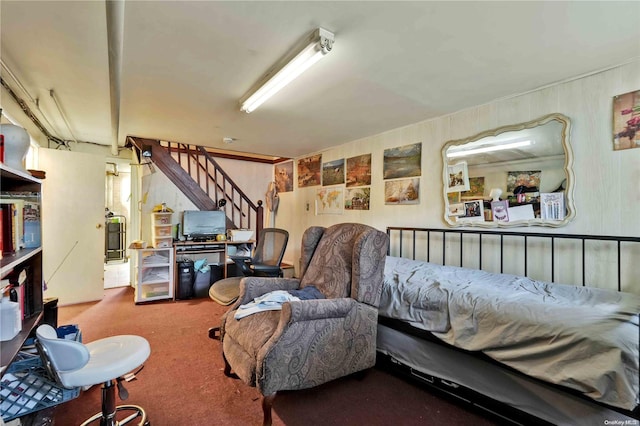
[{"x": 203, "y": 224}]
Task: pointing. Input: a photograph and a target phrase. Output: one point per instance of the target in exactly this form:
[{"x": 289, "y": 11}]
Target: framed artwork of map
[{"x": 330, "y": 200}]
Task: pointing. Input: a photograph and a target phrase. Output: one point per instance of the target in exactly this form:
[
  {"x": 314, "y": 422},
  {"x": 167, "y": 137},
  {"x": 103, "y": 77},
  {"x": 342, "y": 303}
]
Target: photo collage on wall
[{"x": 402, "y": 168}]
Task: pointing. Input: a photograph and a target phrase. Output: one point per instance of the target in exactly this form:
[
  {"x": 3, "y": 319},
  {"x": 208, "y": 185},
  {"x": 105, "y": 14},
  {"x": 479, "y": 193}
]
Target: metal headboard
[{"x": 399, "y": 234}]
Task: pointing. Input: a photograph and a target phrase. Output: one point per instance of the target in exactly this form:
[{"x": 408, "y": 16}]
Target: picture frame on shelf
[
  {"x": 500, "y": 210},
  {"x": 552, "y": 205}
]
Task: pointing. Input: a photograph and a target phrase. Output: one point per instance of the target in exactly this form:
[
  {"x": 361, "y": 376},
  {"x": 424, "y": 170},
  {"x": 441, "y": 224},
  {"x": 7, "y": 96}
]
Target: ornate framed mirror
[{"x": 517, "y": 175}]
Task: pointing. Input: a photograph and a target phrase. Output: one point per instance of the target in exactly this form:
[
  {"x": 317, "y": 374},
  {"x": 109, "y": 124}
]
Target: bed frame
[{"x": 589, "y": 260}]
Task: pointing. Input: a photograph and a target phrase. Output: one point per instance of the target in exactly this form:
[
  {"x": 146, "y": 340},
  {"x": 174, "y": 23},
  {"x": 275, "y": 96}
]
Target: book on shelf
[
  {"x": 31, "y": 224},
  {"x": 20, "y": 223},
  {"x": 15, "y": 221}
]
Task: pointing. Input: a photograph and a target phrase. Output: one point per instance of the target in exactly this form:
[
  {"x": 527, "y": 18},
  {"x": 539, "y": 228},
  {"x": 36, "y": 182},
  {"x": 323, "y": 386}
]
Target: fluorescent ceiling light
[
  {"x": 464, "y": 153},
  {"x": 316, "y": 47}
]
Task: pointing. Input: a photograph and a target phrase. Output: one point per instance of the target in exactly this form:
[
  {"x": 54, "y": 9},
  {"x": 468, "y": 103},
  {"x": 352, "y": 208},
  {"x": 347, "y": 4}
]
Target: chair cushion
[
  {"x": 110, "y": 358},
  {"x": 225, "y": 291}
]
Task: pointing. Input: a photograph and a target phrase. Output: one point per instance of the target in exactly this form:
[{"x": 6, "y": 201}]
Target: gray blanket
[{"x": 583, "y": 338}]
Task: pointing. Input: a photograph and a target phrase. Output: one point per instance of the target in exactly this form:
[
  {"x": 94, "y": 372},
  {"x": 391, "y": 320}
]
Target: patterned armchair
[{"x": 310, "y": 342}]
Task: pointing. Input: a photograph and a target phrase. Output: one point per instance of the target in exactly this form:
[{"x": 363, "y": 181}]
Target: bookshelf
[{"x": 17, "y": 184}]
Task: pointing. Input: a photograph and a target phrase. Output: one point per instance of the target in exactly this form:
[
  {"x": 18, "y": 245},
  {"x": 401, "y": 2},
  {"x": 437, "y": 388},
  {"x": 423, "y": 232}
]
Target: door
[{"x": 72, "y": 225}]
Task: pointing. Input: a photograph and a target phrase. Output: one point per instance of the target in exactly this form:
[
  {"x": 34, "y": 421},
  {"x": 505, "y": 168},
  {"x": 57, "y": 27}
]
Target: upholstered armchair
[{"x": 310, "y": 342}]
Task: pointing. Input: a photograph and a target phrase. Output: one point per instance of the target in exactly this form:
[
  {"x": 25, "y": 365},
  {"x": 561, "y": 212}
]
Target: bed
[{"x": 484, "y": 316}]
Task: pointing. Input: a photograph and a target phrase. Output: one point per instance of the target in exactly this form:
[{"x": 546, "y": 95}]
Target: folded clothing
[{"x": 273, "y": 300}]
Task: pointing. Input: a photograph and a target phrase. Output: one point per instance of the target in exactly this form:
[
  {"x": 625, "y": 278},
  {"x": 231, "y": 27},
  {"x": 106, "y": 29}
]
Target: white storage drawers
[
  {"x": 154, "y": 274},
  {"x": 161, "y": 232}
]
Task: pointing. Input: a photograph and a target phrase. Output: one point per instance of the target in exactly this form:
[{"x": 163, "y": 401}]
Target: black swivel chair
[
  {"x": 265, "y": 262},
  {"x": 267, "y": 256}
]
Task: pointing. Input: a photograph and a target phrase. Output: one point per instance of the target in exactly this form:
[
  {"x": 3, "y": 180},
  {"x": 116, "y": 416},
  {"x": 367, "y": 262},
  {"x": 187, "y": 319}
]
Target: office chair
[
  {"x": 107, "y": 361},
  {"x": 267, "y": 256}
]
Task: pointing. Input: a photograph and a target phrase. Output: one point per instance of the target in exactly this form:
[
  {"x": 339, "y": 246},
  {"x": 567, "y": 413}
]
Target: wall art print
[
  {"x": 359, "y": 170},
  {"x": 309, "y": 171},
  {"x": 333, "y": 172},
  {"x": 330, "y": 200},
  {"x": 357, "y": 198},
  {"x": 404, "y": 161},
  {"x": 284, "y": 176},
  {"x": 626, "y": 121},
  {"x": 402, "y": 191}
]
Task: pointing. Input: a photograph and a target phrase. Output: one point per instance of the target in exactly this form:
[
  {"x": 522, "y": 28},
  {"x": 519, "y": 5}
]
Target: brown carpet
[{"x": 183, "y": 382}]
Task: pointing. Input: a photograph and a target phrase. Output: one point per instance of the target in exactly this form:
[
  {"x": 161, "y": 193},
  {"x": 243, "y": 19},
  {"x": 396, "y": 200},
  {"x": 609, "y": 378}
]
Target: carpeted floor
[{"x": 183, "y": 383}]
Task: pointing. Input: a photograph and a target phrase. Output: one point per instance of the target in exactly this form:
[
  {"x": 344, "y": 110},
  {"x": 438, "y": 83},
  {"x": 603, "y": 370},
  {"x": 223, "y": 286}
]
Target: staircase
[{"x": 201, "y": 179}]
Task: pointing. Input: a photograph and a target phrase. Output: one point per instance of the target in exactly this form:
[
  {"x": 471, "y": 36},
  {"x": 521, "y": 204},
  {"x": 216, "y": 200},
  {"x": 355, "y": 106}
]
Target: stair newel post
[{"x": 259, "y": 219}]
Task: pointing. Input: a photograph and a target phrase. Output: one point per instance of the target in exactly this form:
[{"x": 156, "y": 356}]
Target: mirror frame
[{"x": 568, "y": 168}]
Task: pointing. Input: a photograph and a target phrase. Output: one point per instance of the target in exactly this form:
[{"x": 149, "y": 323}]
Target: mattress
[{"x": 582, "y": 338}]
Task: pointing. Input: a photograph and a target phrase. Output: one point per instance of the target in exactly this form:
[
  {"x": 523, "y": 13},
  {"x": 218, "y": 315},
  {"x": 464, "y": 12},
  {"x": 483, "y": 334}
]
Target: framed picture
[
  {"x": 330, "y": 200},
  {"x": 284, "y": 176},
  {"x": 500, "y": 211},
  {"x": 456, "y": 209},
  {"x": 476, "y": 189},
  {"x": 552, "y": 205},
  {"x": 402, "y": 162},
  {"x": 474, "y": 211},
  {"x": 359, "y": 170},
  {"x": 403, "y": 191},
  {"x": 333, "y": 172},
  {"x": 626, "y": 121},
  {"x": 357, "y": 198},
  {"x": 458, "y": 177},
  {"x": 309, "y": 171}
]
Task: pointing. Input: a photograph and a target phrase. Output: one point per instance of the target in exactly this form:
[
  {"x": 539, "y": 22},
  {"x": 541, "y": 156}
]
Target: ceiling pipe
[{"x": 115, "y": 36}]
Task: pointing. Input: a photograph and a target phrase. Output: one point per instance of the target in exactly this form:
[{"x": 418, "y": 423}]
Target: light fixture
[
  {"x": 316, "y": 46},
  {"x": 464, "y": 153}
]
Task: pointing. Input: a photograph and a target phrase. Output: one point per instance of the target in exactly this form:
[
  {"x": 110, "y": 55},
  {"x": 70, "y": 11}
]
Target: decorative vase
[{"x": 16, "y": 145}]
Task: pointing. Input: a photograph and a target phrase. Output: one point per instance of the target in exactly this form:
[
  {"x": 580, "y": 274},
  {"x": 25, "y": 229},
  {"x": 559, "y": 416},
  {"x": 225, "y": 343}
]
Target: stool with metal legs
[{"x": 108, "y": 361}]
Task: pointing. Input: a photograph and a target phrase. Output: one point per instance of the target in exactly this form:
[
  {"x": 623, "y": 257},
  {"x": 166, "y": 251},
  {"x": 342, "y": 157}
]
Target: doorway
[{"x": 117, "y": 217}]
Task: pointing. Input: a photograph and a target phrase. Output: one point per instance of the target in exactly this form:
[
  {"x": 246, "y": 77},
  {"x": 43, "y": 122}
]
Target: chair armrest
[
  {"x": 317, "y": 341},
  {"x": 306, "y": 310},
  {"x": 252, "y": 287}
]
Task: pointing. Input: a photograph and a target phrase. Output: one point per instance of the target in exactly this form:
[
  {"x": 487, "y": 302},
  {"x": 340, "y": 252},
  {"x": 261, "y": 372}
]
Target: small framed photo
[
  {"x": 474, "y": 211},
  {"x": 500, "y": 211},
  {"x": 552, "y": 205},
  {"x": 457, "y": 177},
  {"x": 456, "y": 209}
]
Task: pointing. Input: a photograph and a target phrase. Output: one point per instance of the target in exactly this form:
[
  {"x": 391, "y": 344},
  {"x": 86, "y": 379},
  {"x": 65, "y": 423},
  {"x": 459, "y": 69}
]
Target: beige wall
[
  {"x": 607, "y": 191},
  {"x": 252, "y": 178}
]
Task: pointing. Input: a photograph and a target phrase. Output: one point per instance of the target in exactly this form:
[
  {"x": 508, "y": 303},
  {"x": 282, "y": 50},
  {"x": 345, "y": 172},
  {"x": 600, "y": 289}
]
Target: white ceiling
[{"x": 184, "y": 65}]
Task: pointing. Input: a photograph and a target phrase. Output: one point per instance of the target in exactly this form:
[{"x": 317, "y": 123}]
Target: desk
[{"x": 216, "y": 252}]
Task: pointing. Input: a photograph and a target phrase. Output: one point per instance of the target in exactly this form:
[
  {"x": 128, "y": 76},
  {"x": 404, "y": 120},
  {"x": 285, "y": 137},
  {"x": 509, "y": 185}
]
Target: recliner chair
[
  {"x": 310, "y": 342},
  {"x": 73, "y": 364}
]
